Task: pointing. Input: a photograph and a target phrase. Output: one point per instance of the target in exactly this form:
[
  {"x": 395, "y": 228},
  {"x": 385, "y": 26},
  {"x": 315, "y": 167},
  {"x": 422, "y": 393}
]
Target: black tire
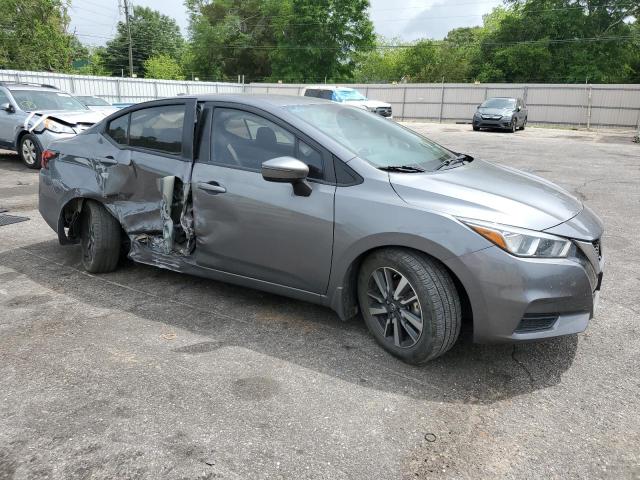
[
  {"x": 524, "y": 124},
  {"x": 475, "y": 129},
  {"x": 30, "y": 151},
  {"x": 438, "y": 298},
  {"x": 513, "y": 127},
  {"x": 100, "y": 239}
]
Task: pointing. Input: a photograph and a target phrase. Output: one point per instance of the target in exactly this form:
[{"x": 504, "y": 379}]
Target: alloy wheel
[
  {"x": 395, "y": 306},
  {"x": 29, "y": 153}
]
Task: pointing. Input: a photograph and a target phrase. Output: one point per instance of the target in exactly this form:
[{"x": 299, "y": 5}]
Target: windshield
[
  {"x": 94, "y": 101},
  {"x": 348, "y": 94},
  {"x": 508, "y": 103},
  {"x": 381, "y": 142},
  {"x": 31, "y": 100}
]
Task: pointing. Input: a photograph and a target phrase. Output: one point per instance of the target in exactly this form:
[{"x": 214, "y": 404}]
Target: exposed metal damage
[{"x": 176, "y": 213}]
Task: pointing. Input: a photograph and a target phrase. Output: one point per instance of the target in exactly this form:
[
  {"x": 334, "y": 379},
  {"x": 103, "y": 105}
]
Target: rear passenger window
[
  {"x": 118, "y": 130},
  {"x": 158, "y": 128}
]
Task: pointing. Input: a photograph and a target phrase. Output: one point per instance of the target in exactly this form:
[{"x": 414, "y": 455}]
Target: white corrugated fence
[{"x": 581, "y": 106}]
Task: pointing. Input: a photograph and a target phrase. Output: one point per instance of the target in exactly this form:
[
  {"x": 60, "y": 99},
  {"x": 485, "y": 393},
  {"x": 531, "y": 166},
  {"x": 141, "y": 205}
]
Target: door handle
[{"x": 212, "y": 187}]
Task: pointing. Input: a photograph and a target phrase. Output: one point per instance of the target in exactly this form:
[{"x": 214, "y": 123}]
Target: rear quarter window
[{"x": 118, "y": 130}]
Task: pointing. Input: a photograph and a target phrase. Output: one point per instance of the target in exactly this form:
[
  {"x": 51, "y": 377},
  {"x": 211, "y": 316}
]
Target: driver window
[
  {"x": 245, "y": 140},
  {"x": 242, "y": 139}
]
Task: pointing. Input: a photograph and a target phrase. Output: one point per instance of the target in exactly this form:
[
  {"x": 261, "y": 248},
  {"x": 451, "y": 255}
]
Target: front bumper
[
  {"x": 503, "y": 122},
  {"x": 518, "y": 299}
]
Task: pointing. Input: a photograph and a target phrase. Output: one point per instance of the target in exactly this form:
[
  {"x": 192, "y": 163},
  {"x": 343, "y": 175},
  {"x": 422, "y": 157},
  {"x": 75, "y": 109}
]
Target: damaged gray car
[{"x": 334, "y": 205}]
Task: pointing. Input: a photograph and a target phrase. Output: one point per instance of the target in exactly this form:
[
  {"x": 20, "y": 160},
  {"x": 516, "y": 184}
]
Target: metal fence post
[
  {"x": 404, "y": 101},
  {"x": 118, "y": 91},
  {"x": 525, "y": 94},
  {"x": 72, "y": 83},
  {"x": 441, "y": 101},
  {"x": 155, "y": 89},
  {"x": 589, "y": 107}
]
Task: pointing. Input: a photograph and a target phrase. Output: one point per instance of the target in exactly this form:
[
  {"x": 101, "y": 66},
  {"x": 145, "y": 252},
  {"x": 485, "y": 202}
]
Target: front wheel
[
  {"x": 513, "y": 126},
  {"x": 524, "y": 124},
  {"x": 100, "y": 239},
  {"x": 30, "y": 151},
  {"x": 409, "y": 303}
]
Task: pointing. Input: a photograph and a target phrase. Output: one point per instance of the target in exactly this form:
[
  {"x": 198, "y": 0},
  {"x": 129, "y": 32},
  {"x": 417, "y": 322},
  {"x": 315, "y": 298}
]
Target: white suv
[{"x": 349, "y": 96}]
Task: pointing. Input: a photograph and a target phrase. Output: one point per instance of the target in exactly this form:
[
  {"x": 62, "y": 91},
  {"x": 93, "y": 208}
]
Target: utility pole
[{"x": 126, "y": 19}]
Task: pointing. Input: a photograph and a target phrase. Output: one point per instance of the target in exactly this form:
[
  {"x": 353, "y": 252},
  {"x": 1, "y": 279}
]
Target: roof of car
[
  {"x": 328, "y": 87},
  {"x": 28, "y": 86},
  {"x": 250, "y": 99}
]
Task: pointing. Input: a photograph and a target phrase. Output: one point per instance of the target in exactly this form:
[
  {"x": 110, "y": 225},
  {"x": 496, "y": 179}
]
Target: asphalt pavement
[{"x": 145, "y": 373}]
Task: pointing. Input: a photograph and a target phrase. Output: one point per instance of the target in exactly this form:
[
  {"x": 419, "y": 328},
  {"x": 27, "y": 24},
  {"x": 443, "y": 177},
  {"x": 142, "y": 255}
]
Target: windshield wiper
[
  {"x": 402, "y": 169},
  {"x": 463, "y": 157}
]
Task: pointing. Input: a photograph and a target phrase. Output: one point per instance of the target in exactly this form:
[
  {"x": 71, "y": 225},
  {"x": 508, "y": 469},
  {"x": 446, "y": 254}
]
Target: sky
[{"x": 94, "y": 20}]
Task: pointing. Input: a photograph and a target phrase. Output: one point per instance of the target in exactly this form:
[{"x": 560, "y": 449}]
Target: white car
[
  {"x": 97, "y": 104},
  {"x": 350, "y": 96}
]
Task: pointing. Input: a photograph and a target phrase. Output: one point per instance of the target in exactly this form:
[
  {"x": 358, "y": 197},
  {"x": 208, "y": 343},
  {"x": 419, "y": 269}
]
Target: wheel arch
[
  {"x": 68, "y": 219},
  {"x": 344, "y": 296}
]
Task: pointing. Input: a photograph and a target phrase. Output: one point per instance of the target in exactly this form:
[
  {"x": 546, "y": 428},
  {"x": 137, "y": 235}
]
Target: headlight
[
  {"x": 57, "y": 127},
  {"x": 521, "y": 242}
]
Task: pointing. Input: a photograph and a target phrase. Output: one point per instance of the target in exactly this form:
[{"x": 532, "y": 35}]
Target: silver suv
[{"x": 32, "y": 116}]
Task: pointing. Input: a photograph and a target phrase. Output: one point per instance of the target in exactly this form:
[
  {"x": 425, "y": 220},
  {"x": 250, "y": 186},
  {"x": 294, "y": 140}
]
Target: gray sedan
[{"x": 334, "y": 205}]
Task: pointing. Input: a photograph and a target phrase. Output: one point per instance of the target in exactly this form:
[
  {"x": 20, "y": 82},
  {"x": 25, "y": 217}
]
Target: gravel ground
[{"x": 143, "y": 373}]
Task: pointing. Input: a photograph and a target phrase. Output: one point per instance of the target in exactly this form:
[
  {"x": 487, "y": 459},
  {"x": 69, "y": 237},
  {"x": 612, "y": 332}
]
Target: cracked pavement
[{"x": 145, "y": 373}]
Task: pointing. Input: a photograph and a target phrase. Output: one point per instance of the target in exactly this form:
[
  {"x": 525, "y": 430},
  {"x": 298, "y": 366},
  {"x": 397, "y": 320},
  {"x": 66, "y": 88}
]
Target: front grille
[
  {"x": 491, "y": 117},
  {"x": 384, "y": 111},
  {"x": 533, "y": 322}
]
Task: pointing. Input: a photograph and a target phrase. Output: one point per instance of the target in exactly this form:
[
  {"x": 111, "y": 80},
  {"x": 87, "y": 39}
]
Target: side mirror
[
  {"x": 478, "y": 107},
  {"x": 7, "y": 107},
  {"x": 288, "y": 170},
  {"x": 519, "y": 108}
]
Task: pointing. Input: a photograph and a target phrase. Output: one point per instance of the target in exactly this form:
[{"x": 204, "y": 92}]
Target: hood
[
  {"x": 368, "y": 103},
  {"x": 75, "y": 116},
  {"x": 495, "y": 111},
  {"x": 484, "y": 191}
]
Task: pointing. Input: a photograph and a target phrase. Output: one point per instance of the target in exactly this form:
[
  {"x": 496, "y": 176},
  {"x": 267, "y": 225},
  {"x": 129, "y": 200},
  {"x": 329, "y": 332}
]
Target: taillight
[{"x": 46, "y": 156}]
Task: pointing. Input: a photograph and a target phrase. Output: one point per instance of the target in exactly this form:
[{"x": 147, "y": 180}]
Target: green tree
[
  {"x": 152, "y": 33},
  {"x": 320, "y": 39},
  {"x": 89, "y": 61},
  {"x": 384, "y": 63},
  {"x": 558, "y": 40},
  {"x": 163, "y": 67},
  {"x": 33, "y": 35},
  {"x": 233, "y": 37}
]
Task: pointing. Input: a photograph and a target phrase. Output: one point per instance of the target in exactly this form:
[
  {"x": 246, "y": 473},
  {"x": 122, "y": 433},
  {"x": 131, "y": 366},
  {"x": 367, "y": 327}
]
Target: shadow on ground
[
  {"x": 306, "y": 335},
  {"x": 12, "y": 162}
]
